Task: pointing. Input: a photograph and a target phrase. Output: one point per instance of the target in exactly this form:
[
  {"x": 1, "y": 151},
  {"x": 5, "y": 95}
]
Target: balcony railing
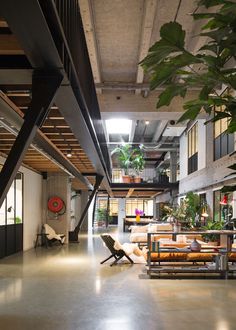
[
  {"x": 64, "y": 21},
  {"x": 148, "y": 175}
]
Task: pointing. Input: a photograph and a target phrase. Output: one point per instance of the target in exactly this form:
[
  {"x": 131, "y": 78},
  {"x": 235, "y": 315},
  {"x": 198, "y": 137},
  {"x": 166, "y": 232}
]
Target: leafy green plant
[
  {"x": 185, "y": 213},
  {"x": 102, "y": 215},
  {"x": 173, "y": 67},
  {"x": 212, "y": 225},
  {"x": 125, "y": 154},
  {"x": 138, "y": 161}
]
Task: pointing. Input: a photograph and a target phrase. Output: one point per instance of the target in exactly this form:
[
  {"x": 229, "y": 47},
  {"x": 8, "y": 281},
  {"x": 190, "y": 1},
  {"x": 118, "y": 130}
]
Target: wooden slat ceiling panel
[
  {"x": 57, "y": 131},
  {"x": 55, "y": 127}
]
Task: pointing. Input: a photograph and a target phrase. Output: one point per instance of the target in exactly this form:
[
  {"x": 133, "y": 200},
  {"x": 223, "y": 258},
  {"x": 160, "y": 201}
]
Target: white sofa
[{"x": 139, "y": 233}]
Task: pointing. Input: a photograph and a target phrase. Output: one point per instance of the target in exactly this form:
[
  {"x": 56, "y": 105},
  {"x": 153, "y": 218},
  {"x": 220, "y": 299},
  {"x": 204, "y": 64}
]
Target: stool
[{"x": 43, "y": 239}]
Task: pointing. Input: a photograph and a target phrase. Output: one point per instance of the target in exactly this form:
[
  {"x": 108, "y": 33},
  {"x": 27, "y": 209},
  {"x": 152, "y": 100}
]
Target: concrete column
[
  {"x": 84, "y": 201},
  {"x": 173, "y": 166},
  {"x": 154, "y": 208},
  {"x": 121, "y": 212},
  {"x": 59, "y": 185}
]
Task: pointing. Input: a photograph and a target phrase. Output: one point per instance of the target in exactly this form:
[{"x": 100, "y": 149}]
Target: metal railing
[{"x": 65, "y": 23}]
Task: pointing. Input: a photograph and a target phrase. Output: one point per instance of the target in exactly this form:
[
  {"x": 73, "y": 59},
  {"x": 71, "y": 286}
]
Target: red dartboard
[{"x": 55, "y": 204}]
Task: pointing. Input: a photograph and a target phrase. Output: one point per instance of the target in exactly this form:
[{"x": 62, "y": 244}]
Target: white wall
[
  {"x": 32, "y": 207},
  {"x": 121, "y": 213}
]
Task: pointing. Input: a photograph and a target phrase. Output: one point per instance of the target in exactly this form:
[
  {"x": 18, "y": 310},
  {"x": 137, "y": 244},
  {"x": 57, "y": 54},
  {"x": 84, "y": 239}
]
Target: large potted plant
[
  {"x": 125, "y": 154},
  {"x": 173, "y": 67},
  {"x": 138, "y": 163}
]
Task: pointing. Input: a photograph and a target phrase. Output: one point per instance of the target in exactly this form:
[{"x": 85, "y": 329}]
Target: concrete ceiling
[{"x": 119, "y": 34}]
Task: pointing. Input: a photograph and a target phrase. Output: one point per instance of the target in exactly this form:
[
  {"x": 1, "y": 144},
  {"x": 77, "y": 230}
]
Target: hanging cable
[{"x": 177, "y": 10}]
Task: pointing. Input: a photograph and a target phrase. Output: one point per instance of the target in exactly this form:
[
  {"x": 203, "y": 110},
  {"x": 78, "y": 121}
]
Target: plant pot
[
  {"x": 132, "y": 179},
  {"x": 126, "y": 178},
  {"x": 137, "y": 179}
]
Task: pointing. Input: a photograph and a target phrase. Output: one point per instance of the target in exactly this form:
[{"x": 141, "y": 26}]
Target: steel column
[
  {"x": 96, "y": 186},
  {"x": 44, "y": 87}
]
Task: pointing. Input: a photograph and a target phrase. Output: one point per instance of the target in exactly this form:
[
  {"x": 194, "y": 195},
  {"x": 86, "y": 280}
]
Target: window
[
  {"x": 11, "y": 211},
  {"x": 145, "y": 205},
  {"x": 113, "y": 205},
  {"x": 117, "y": 175},
  {"x": 223, "y": 143},
  {"x": 193, "y": 149}
]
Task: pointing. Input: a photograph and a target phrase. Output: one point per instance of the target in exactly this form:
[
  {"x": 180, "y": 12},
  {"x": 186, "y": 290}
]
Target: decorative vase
[
  {"x": 195, "y": 246},
  {"x": 137, "y": 218}
]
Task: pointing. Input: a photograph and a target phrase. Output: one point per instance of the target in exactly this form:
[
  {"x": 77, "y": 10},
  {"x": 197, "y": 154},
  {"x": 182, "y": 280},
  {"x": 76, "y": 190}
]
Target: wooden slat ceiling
[
  {"x": 137, "y": 193},
  {"x": 55, "y": 127}
]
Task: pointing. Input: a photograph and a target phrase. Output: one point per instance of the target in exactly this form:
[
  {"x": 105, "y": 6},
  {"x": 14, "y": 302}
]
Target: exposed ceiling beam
[
  {"x": 130, "y": 192},
  {"x": 12, "y": 115},
  {"x": 146, "y": 33},
  {"x": 133, "y": 126},
  {"x": 159, "y": 130},
  {"x": 86, "y": 11},
  {"x": 124, "y": 86},
  {"x": 9, "y": 45}
]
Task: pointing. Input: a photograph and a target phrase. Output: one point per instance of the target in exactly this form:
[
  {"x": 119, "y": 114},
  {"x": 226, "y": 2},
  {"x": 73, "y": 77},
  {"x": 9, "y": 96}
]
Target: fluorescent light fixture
[{"x": 118, "y": 126}]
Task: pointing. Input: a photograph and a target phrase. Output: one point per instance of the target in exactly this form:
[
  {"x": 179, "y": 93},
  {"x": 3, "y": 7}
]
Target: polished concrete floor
[{"x": 65, "y": 287}]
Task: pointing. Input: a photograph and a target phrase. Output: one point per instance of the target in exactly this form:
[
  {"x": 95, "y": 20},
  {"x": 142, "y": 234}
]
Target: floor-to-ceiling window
[
  {"x": 223, "y": 143},
  {"x": 11, "y": 219},
  {"x": 145, "y": 205},
  {"x": 193, "y": 149}
]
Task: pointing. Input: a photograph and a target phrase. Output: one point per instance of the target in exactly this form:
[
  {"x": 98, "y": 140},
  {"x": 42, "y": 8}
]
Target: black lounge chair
[{"x": 117, "y": 254}]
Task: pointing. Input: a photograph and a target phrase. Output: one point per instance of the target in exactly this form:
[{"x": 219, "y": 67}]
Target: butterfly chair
[
  {"x": 115, "y": 253},
  {"x": 52, "y": 236}
]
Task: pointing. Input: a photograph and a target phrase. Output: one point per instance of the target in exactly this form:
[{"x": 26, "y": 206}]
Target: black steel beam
[
  {"x": 96, "y": 186},
  {"x": 40, "y": 140},
  {"x": 147, "y": 186},
  {"x": 43, "y": 49},
  {"x": 44, "y": 87}
]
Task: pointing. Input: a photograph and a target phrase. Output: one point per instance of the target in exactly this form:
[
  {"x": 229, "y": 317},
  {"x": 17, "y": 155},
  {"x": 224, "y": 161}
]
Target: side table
[{"x": 43, "y": 240}]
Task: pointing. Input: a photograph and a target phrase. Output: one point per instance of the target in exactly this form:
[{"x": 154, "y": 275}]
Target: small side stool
[{"x": 43, "y": 240}]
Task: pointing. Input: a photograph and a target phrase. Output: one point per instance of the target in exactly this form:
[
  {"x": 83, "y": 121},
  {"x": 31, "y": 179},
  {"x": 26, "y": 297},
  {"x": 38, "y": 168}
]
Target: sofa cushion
[
  {"x": 164, "y": 226},
  {"x": 165, "y": 256},
  {"x": 198, "y": 256},
  {"x": 139, "y": 229},
  {"x": 138, "y": 238}
]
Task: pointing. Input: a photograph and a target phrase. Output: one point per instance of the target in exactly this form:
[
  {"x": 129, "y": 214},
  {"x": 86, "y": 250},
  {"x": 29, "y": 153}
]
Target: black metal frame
[
  {"x": 117, "y": 254},
  {"x": 45, "y": 84},
  {"x": 45, "y": 44},
  {"x": 78, "y": 227}
]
